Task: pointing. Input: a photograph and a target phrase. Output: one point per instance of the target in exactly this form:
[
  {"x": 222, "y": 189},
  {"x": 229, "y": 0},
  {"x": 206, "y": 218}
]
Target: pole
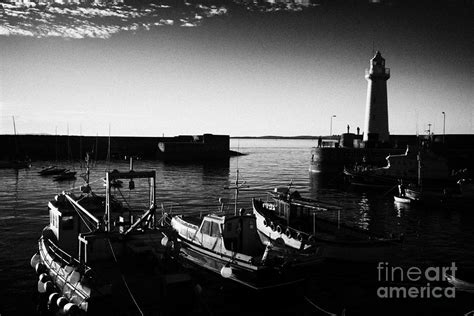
[
  {"x": 444, "y": 124},
  {"x": 330, "y": 128},
  {"x": 236, "y": 193}
]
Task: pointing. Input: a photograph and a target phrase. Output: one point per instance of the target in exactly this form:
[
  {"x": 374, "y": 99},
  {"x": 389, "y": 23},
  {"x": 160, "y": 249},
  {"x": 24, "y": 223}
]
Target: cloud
[{"x": 96, "y": 21}]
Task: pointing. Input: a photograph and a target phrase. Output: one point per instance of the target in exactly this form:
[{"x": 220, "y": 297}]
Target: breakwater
[
  {"x": 63, "y": 147},
  {"x": 458, "y": 150}
]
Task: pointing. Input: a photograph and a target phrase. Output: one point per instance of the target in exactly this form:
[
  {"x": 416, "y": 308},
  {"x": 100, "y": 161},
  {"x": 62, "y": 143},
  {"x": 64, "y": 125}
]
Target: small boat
[
  {"x": 403, "y": 199},
  {"x": 65, "y": 175},
  {"x": 459, "y": 284},
  {"x": 51, "y": 170},
  {"x": 97, "y": 256},
  {"x": 294, "y": 220},
  {"x": 229, "y": 245}
]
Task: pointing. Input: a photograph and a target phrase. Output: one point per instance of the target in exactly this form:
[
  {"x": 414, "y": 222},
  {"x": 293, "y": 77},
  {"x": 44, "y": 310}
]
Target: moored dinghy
[{"x": 51, "y": 170}]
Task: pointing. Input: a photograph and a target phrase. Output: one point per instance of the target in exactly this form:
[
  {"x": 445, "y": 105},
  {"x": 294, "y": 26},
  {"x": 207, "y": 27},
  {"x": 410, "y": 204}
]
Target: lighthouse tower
[{"x": 376, "y": 112}]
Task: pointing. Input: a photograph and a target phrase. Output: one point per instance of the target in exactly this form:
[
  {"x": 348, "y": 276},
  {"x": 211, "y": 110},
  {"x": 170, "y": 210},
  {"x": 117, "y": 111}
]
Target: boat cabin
[
  {"x": 221, "y": 233},
  {"x": 240, "y": 235},
  {"x": 72, "y": 233}
]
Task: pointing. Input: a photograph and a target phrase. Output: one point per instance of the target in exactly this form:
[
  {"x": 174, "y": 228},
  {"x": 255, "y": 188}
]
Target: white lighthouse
[{"x": 376, "y": 111}]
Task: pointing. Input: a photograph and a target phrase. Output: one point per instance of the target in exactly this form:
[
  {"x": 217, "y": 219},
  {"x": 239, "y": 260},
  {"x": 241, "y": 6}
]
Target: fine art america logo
[{"x": 414, "y": 282}]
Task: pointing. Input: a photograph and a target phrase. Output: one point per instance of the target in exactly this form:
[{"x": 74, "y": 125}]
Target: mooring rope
[
  {"x": 125, "y": 281},
  {"x": 317, "y": 307}
]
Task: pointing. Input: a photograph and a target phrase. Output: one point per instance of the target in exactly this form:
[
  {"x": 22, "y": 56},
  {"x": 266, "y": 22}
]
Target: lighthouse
[{"x": 376, "y": 111}]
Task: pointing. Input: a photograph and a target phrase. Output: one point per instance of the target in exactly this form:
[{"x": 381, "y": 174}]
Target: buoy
[
  {"x": 272, "y": 226},
  {"x": 44, "y": 277},
  {"x": 265, "y": 222},
  {"x": 165, "y": 242},
  {"x": 34, "y": 260},
  {"x": 40, "y": 268},
  {"x": 288, "y": 232},
  {"x": 279, "y": 229},
  {"x": 61, "y": 302},
  {"x": 70, "y": 309},
  {"x": 226, "y": 272},
  {"x": 41, "y": 287},
  {"x": 52, "y": 299},
  {"x": 48, "y": 287},
  {"x": 299, "y": 237}
]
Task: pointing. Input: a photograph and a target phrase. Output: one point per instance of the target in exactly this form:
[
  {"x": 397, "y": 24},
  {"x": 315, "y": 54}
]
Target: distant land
[{"x": 276, "y": 137}]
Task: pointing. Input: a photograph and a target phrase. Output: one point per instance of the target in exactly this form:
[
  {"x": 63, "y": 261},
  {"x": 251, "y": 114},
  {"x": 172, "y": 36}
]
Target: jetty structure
[{"x": 183, "y": 148}]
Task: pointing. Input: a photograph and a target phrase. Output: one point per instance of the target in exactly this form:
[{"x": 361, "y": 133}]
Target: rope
[
  {"x": 118, "y": 189},
  {"x": 317, "y": 307},
  {"x": 78, "y": 187},
  {"x": 124, "y": 281},
  {"x": 390, "y": 190},
  {"x": 82, "y": 218}
]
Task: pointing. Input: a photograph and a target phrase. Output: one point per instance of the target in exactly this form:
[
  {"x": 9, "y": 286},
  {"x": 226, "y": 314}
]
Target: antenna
[
  {"x": 14, "y": 125},
  {"x": 237, "y": 187}
]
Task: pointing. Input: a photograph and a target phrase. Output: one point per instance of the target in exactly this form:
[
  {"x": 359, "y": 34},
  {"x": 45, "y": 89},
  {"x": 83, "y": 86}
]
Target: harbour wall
[
  {"x": 457, "y": 149},
  {"x": 62, "y": 147}
]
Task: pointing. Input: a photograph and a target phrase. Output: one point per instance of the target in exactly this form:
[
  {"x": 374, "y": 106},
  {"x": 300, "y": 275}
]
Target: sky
[{"x": 240, "y": 72}]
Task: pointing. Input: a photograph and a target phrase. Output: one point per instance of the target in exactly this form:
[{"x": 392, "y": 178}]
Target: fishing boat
[
  {"x": 229, "y": 245},
  {"x": 101, "y": 257},
  {"x": 296, "y": 221}
]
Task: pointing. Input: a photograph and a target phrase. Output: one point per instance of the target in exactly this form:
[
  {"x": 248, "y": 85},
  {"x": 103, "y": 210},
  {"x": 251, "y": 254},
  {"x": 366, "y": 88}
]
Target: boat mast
[{"x": 16, "y": 141}]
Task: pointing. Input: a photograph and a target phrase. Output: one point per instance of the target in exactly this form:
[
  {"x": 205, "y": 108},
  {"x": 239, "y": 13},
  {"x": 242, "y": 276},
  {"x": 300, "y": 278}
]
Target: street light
[
  {"x": 444, "y": 125},
  {"x": 330, "y": 129}
]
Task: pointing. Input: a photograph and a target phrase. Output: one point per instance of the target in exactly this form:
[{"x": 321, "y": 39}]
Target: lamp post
[
  {"x": 444, "y": 124},
  {"x": 330, "y": 128}
]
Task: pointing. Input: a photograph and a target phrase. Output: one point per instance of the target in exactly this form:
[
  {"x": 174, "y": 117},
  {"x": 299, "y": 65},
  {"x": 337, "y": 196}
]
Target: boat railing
[{"x": 64, "y": 257}]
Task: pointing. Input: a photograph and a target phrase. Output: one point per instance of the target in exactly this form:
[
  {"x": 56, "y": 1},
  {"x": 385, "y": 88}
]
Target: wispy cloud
[{"x": 97, "y": 21}]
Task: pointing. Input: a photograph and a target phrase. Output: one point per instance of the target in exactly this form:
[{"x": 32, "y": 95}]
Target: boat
[
  {"x": 51, "y": 170},
  {"x": 229, "y": 245},
  {"x": 403, "y": 199},
  {"x": 65, "y": 175},
  {"x": 98, "y": 256},
  {"x": 296, "y": 221}
]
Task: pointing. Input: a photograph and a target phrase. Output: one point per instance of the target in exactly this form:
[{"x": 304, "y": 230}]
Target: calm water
[{"x": 434, "y": 236}]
